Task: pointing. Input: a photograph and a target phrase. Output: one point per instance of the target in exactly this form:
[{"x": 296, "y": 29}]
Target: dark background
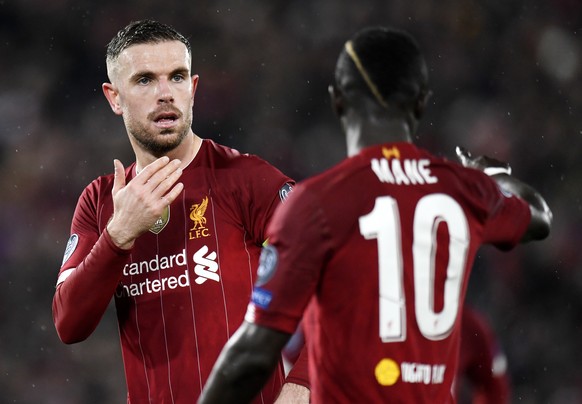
[{"x": 506, "y": 81}]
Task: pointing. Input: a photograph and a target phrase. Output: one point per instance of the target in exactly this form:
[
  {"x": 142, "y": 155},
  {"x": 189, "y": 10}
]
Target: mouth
[{"x": 166, "y": 119}]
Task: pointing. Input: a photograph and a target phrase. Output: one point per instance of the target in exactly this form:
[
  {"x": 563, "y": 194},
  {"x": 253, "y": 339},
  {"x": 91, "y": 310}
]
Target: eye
[
  {"x": 178, "y": 78},
  {"x": 143, "y": 80}
]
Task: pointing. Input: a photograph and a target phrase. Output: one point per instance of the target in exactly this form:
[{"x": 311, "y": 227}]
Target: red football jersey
[
  {"x": 482, "y": 373},
  {"x": 384, "y": 244},
  {"x": 182, "y": 290}
]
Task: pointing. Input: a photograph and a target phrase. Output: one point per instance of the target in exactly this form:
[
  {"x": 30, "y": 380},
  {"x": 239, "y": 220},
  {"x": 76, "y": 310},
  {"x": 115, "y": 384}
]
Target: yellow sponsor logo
[{"x": 387, "y": 372}]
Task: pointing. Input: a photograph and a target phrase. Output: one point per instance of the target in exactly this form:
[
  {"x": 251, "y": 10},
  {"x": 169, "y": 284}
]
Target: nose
[{"x": 164, "y": 92}]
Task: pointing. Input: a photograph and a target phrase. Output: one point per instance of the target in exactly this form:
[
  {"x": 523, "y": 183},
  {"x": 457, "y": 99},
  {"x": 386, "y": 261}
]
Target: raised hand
[
  {"x": 488, "y": 165},
  {"x": 138, "y": 204}
]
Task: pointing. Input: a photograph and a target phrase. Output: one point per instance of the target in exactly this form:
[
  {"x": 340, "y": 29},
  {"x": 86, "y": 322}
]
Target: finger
[
  {"x": 461, "y": 151},
  {"x": 173, "y": 193},
  {"x": 169, "y": 189},
  {"x": 165, "y": 178},
  {"x": 463, "y": 154},
  {"x": 151, "y": 169},
  {"x": 118, "y": 176}
]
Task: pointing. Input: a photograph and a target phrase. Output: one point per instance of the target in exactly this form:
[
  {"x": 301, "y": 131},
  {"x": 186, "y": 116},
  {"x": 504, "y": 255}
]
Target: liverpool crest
[{"x": 197, "y": 215}]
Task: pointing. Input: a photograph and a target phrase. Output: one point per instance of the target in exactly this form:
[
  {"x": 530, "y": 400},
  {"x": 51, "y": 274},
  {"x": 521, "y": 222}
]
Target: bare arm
[
  {"x": 541, "y": 215},
  {"x": 292, "y": 393},
  {"x": 296, "y": 389},
  {"x": 244, "y": 365}
]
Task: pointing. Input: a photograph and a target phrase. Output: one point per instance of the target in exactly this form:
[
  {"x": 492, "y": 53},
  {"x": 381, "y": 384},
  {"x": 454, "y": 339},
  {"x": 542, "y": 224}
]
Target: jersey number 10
[{"x": 383, "y": 224}]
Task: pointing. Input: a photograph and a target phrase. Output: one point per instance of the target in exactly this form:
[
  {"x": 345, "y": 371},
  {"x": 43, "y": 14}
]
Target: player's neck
[
  {"x": 185, "y": 152},
  {"x": 365, "y": 133}
]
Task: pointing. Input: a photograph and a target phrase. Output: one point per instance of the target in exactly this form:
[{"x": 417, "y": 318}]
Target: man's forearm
[
  {"x": 82, "y": 298},
  {"x": 244, "y": 365},
  {"x": 292, "y": 393}
]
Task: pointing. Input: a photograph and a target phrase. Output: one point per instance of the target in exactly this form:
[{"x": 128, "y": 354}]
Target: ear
[
  {"x": 112, "y": 96},
  {"x": 337, "y": 100},
  {"x": 195, "y": 79}
]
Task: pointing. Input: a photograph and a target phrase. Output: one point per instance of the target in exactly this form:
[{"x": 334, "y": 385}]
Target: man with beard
[{"x": 175, "y": 237}]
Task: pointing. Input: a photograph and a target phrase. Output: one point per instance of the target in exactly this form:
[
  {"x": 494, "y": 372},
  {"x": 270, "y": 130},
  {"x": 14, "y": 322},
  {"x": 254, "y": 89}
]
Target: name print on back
[{"x": 392, "y": 170}]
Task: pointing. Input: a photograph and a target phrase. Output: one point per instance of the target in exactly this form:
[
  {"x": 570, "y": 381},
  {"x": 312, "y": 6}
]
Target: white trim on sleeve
[{"x": 64, "y": 275}]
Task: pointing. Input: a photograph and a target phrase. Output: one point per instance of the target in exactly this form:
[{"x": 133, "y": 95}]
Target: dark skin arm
[
  {"x": 541, "y": 215},
  {"x": 244, "y": 365}
]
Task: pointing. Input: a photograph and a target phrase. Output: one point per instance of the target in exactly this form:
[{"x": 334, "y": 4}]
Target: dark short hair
[
  {"x": 142, "y": 32},
  {"x": 391, "y": 59}
]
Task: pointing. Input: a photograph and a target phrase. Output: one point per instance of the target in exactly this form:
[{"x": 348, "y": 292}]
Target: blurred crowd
[{"x": 507, "y": 82}]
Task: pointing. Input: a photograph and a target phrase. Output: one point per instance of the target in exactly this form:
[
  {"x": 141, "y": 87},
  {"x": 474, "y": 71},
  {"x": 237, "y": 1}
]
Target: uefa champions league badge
[
  {"x": 70, "y": 248},
  {"x": 267, "y": 265},
  {"x": 285, "y": 191}
]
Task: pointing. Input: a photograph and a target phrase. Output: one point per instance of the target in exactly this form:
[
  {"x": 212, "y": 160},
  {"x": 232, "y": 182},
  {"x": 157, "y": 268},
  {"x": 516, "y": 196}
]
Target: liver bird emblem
[{"x": 197, "y": 214}]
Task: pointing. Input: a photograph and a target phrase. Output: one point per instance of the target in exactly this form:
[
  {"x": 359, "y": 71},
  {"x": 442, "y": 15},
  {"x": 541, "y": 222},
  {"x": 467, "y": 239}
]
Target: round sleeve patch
[
  {"x": 70, "y": 248},
  {"x": 285, "y": 191},
  {"x": 267, "y": 265}
]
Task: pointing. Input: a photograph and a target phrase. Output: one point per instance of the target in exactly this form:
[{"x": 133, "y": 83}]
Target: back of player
[
  {"x": 380, "y": 247},
  {"x": 389, "y": 269}
]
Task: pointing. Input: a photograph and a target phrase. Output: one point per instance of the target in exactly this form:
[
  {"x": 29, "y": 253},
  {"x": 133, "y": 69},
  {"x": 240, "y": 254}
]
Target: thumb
[
  {"x": 463, "y": 155},
  {"x": 119, "y": 176}
]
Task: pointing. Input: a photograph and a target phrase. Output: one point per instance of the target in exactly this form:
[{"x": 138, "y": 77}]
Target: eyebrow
[{"x": 148, "y": 73}]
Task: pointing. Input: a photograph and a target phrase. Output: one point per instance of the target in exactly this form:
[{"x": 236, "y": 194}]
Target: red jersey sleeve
[
  {"x": 296, "y": 353},
  {"x": 299, "y": 373},
  {"x": 514, "y": 215},
  {"x": 91, "y": 269},
  {"x": 507, "y": 216},
  {"x": 298, "y": 246},
  {"x": 265, "y": 188}
]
